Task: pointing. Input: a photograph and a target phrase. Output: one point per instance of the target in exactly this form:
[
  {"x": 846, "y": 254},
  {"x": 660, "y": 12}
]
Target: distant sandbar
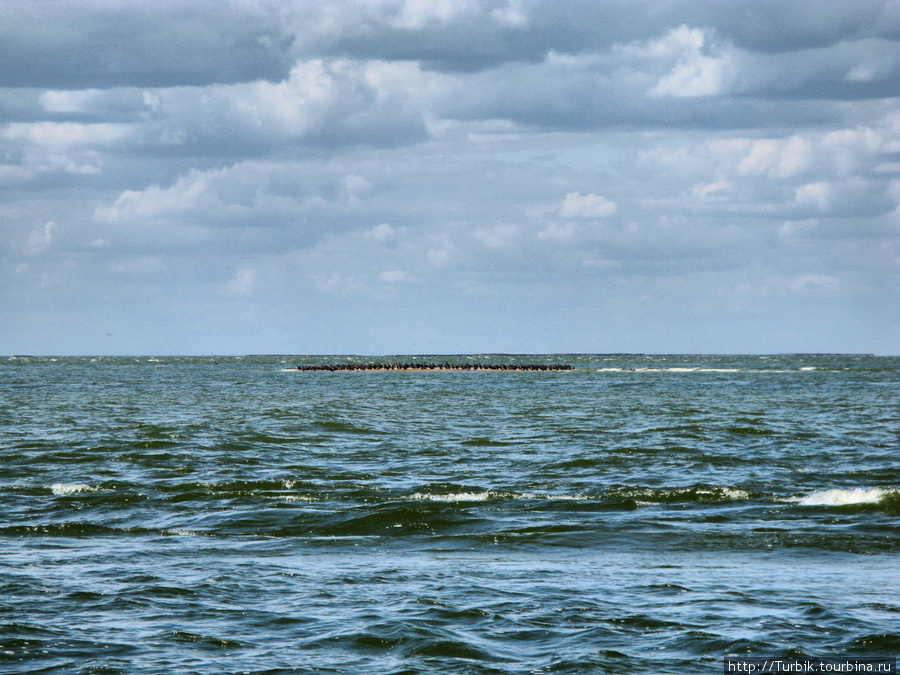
[{"x": 421, "y": 367}]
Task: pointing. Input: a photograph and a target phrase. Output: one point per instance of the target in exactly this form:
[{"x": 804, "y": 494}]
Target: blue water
[{"x": 638, "y": 514}]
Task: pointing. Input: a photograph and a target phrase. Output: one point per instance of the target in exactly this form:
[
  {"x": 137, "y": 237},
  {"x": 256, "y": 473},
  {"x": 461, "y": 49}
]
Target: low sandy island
[{"x": 422, "y": 367}]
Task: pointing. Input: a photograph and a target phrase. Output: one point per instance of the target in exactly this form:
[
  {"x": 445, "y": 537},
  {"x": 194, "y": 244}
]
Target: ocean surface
[{"x": 638, "y": 514}]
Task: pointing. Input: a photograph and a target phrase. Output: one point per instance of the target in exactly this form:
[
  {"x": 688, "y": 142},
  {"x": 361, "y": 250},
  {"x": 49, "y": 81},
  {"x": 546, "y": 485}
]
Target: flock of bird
[{"x": 354, "y": 367}]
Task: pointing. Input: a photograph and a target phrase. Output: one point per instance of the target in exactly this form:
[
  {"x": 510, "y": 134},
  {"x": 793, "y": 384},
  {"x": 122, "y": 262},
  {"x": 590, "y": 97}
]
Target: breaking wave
[
  {"x": 62, "y": 489},
  {"x": 839, "y": 497}
]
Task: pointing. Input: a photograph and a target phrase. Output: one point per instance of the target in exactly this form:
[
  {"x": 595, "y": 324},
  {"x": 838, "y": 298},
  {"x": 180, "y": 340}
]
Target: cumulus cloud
[
  {"x": 473, "y": 35},
  {"x": 439, "y": 257},
  {"x": 815, "y": 194},
  {"x": 696, "y": 72},
  {"x": 321, "y": 103},
  {"x": 65, "y": 134},
  {"x": 40, "y": 238},
  {"x": 590, "y": 205},
  {"x": 776, "y": 158},
  {"x": 156, "y": 201},
  {"x": 265, "y": 194},
  {"x": 394, "y": 277},
  {"x": 498, "y": 236},
  {"x": 711, "y": 192},
  {"x": 381, "y": 232},
  {"x": 797, "y": 228}
]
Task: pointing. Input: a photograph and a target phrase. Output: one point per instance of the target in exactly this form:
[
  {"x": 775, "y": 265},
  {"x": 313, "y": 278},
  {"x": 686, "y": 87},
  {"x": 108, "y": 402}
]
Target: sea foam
[
  {"x": 488, "y": 495},
  {"x": 838, "y": 497},
  {"x": 71, "y": 488}
]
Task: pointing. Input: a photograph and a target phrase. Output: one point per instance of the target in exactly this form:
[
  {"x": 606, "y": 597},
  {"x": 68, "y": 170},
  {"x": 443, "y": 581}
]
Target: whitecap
[
  {"x": 454, "y": 497},
  {"x": 733, "y": 493},
  {"x": 491, "y": 494},
  {"x": 71, "y": 488},
  {"x": 559, "y": 498},
  {"x": 838, "y": 497}
]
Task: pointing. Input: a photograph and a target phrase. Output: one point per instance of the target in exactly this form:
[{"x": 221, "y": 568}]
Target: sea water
[{"x": 638, "y": 514}]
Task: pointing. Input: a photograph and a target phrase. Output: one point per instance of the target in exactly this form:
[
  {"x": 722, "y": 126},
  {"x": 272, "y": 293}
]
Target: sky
[{"x": 449, "y": 176}]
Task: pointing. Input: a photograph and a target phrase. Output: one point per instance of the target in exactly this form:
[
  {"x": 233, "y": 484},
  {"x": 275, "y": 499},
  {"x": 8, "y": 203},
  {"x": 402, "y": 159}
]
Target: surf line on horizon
[{"x": 418, "y": 367}]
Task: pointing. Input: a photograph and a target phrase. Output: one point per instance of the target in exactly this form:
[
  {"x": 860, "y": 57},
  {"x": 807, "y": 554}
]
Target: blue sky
[{"x": 447, "y": 176}]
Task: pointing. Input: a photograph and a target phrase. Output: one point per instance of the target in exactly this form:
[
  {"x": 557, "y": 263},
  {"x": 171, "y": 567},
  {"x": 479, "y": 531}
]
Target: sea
[{"x": 637, "y": 514}]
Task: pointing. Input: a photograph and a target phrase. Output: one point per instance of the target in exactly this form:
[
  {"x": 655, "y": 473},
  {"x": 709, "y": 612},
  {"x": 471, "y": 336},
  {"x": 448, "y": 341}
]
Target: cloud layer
[{"x": 432, "y": 176}]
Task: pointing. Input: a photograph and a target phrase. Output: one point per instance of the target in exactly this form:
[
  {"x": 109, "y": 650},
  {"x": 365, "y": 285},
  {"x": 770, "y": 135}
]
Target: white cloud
[
  {"x": 11, "y": 174},
  {"x": 381, "y": 232},
  {"x": 439, "y": 257},
  {"x": 512, "y": 14},
  {"x": 675, "y": 44},
  {"x": 394, "y": 277},
  {"x": 498, "y": 236},
  {"x": 243, "y": 283},
  {"x": 295, "y": 104},
  {"x": 151, "y": 100},
  {"x": 813, "y": 194},
  {"x": 814, "y": 282},
  {"x": 792, "y": 229},
  {"x": 710, "y": 192},
  {"x": 337, "y": 283},
  {"x": 155, "y": 201},
  {"x": 66, "y": 133},
  {"x": 40, "y": 239},
  {"x": 695, "y": 73},
  {"x": 323, "y": 102},
  {"x": 776, "y": 285},
  {"x": 852, "y": 149},
  {"x": 259, "y": 193},
  {"x": 794, "y": 158},
  {"x": 558, "y": 231},
  {"x": 365, "y": 100},
  {"x": 70, "y": 101},
  {"x": 356, "y": 187},
  {"x": 416, "y": 14},
  {"x": 777, "y": 158},
  {"x": 576, "y": 205},
  {"x": 893, "y": 190}
]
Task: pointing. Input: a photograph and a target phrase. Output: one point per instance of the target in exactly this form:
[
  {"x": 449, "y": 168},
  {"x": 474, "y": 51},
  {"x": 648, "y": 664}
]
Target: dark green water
[{"x": 635, "y": 515}]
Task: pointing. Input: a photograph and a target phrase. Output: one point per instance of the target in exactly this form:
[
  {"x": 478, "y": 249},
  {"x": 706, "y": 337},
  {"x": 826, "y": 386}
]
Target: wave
[
  {"x": 62, "y": 489},
  {"x": 687, "y": 494},
  {"x": 639, "y": 495},
  {"x": 839, "y": 497},
  {"x": 289, "y": 491},
  {"x": 493, "y": 495}
]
